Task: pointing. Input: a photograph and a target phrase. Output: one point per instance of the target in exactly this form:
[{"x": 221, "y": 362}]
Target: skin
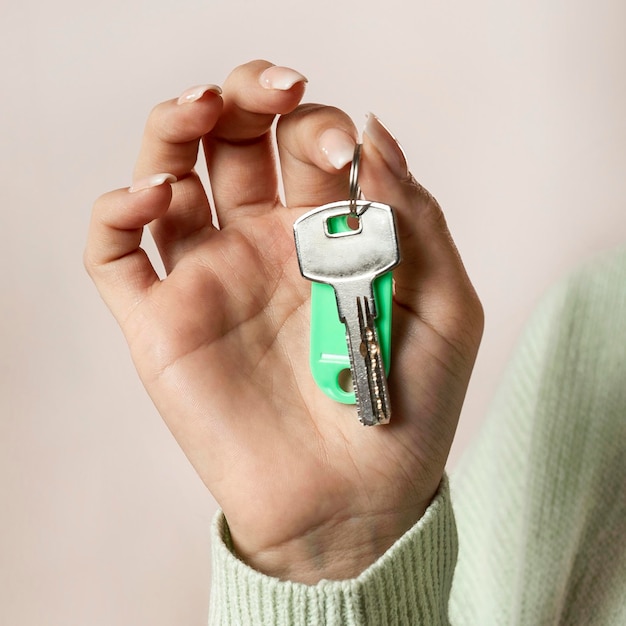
[{"x": 221, "y": 344}]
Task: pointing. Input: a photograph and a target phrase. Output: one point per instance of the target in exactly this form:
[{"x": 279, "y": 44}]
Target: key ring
[{"x": 355, "y": 190}]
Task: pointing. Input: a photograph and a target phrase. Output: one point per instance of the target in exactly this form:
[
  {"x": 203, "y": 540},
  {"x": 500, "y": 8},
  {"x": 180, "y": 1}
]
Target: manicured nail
[
  {"x": 151, "y": 181},
  {"x": 387, "y": 145},
  {"x": 281, "y": 78},
  {"x": 195, "y": 93},
  {"x": 337, "y": 146}
]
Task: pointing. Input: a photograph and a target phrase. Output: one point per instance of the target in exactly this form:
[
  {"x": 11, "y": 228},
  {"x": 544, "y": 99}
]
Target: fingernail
[
  {"x": 195, "y": 93},
  {"x": 387, "y": 145},
  {"x": 337, "y": 146},
  {"x": 151, "y": 181},
  {"x": 282, "y": 78}
]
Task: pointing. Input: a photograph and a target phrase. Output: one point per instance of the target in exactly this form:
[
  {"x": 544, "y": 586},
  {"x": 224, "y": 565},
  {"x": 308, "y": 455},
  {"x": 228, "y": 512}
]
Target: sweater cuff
[{"x": 409, "y": 584}]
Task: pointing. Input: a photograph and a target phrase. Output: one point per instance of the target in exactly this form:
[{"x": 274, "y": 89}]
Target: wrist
[
  {"x": 412, "y": 578},
  {"x": 339, "y": 549}
]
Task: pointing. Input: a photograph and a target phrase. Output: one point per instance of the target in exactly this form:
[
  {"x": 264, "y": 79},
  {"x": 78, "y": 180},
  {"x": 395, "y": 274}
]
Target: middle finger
[{"x": 239, "y": 150}]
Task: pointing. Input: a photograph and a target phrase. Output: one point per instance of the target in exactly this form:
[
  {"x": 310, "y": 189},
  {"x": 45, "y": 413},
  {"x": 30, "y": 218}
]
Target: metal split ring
[{"x": 355, "y": 190}]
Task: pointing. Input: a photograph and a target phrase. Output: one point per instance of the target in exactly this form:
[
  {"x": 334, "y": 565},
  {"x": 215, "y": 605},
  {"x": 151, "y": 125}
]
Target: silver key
[{"x": 350, "y": 261}]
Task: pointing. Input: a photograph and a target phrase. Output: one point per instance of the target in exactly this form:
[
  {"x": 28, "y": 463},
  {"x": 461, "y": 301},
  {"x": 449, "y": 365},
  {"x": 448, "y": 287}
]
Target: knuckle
[
  {"x": 476, "y": 315},
  {"x": 436, "y": 217},
  {"x": 89, "y": 262},
  {"x": 317, "y": 115},
  {"x": 470, "y": 329},
  {"x": 154, "y": 123},
  {"x": 431, "y": 209},
  {"x": 101, "y": 207},
  {"x": 250, "y": 67}
]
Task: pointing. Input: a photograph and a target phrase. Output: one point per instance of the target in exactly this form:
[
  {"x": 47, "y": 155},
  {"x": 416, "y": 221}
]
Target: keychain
[{"x": 348, "y": 249}]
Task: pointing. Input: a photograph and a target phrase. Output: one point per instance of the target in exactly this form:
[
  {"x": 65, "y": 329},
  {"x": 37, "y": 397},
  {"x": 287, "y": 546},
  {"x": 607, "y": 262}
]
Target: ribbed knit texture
[{"x": 540, "y": 500}]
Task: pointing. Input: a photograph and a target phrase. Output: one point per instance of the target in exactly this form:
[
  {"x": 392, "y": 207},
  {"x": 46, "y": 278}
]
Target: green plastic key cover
[{"x": 330, "y": 363}]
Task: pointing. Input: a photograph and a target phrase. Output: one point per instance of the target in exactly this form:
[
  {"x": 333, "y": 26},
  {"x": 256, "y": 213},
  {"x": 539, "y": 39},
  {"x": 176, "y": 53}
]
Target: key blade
[{"x": 368, "y": 374}]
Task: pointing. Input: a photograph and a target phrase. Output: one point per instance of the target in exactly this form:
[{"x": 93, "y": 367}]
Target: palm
[{"x": 206, "y": 364}]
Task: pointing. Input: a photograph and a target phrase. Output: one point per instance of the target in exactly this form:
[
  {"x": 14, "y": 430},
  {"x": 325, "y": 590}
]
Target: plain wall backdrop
[{"x": 511, "y": 113}]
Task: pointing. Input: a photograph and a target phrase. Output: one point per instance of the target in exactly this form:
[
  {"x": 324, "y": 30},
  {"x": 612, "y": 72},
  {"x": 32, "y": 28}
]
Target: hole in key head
[
  {"x": 342, "y": 224},
  {"x": 345, "y": 380}
]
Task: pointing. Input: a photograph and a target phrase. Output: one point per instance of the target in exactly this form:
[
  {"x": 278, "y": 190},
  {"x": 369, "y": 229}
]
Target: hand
[{"x": 221, "y": 344}]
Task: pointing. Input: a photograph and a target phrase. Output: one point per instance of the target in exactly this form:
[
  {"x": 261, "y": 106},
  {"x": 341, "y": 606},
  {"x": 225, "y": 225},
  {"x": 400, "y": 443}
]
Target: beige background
[{"x": 511, "y": 113}]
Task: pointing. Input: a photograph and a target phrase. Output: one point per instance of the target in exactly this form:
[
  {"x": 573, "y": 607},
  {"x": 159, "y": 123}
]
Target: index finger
[{"x": 173, "y": 131}]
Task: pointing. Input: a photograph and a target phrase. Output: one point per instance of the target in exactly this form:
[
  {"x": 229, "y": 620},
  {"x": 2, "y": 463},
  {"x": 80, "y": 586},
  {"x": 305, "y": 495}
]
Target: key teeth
[
  {"x": 381, "y": 422},
  {"x": 380, "y": 414},
  {"x": 385, "y": 420}
]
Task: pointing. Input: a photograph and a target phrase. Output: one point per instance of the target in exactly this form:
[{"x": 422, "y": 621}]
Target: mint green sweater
[{"x": 539, "y": 501}]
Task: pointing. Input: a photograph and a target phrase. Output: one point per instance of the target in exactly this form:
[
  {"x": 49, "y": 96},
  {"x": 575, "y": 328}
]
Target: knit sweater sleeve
[
  {"x": 408, "y": 585},
  {"x": 540, "y": 499}
]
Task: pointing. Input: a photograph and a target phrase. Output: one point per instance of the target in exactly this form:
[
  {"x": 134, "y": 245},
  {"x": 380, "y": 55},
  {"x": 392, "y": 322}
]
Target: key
[{"x": 349, "y": 260}]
